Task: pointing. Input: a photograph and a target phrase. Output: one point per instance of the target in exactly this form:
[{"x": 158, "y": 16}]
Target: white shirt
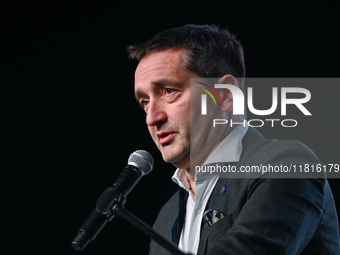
[{"x": 229, "y": 150}]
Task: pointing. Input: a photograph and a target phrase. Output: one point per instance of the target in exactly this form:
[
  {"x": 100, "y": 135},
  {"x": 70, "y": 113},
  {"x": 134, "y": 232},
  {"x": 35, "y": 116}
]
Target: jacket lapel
[
  {"x": 215, "y": 203},
  {"x": 177, "y": 227}
]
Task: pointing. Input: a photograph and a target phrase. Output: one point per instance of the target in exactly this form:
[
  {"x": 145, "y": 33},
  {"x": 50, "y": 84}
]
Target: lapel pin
[{"x": 223, "y": 189}]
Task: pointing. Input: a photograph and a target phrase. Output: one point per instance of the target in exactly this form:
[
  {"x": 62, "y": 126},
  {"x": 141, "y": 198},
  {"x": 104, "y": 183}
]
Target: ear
[{"x": 225, "y": 94}]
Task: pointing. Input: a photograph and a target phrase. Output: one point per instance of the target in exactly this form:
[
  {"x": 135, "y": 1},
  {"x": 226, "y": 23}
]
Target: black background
[{"x": 70, "y": 119}]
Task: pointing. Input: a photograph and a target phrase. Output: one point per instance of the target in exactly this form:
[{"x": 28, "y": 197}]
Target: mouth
[{"x": 165, "y": 137}]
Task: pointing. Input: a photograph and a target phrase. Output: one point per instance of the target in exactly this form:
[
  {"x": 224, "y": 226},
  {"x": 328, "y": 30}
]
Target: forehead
[{"x": 158, "y": 65}]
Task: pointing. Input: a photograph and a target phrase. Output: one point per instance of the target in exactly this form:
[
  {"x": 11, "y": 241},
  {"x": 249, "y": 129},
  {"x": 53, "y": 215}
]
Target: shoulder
[
  {"x": 171, "y": 203},
  {"x": 256, "y": 147},
  {"x": 168, "y": 212},
  {"x": 164, "y": 223}
]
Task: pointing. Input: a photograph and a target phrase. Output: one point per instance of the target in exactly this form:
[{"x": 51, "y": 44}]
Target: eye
[
  {"x": 144, "y": 102},
  {"x": 169, "y": 91}
]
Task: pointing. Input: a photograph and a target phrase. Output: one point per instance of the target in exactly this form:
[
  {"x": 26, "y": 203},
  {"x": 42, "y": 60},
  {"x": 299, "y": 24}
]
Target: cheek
[
  {"x": 152, "y": 131},
  {"x": 182, "y": 115},
  {"x": 183, "y": 108}
]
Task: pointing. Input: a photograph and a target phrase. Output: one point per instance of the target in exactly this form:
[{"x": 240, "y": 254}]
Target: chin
[
  {"x": 170, "y": 158},
  {"x": 175, "y": 158}
]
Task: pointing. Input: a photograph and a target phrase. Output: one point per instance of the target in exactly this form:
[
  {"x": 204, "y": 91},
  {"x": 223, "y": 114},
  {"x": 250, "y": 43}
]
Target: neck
[
  {"x": 191, "y": 174},
  {"x": 191, "y": 180}
]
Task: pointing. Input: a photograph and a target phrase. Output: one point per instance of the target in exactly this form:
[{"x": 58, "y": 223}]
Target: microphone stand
[
  {"x": 119, "y": 210},
  {"x": 111, "y": 204}
]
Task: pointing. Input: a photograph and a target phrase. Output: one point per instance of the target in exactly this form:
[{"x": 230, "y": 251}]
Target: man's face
[{"x": 162, "y": 87}]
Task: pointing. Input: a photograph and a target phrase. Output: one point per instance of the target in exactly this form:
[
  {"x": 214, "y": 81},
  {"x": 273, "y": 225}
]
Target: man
[{"x": 210, "y": 214}]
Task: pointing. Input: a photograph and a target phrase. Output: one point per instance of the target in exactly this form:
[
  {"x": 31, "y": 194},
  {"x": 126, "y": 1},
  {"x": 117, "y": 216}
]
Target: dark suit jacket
[{"x": 264, "y": 215}]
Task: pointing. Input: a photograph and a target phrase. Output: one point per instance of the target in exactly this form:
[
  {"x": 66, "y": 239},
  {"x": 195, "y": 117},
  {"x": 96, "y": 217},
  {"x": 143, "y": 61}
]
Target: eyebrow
[
  {"x": 160, "y": 83},
  {"x": 166, "y": 82}
]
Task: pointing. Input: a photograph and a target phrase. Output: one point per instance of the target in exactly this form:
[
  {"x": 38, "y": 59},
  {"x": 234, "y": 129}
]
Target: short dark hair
[{"x": 212, "y": 52}]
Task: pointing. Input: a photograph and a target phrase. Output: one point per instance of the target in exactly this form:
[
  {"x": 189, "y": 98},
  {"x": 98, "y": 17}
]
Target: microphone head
[{"x": 142, "y": 160}]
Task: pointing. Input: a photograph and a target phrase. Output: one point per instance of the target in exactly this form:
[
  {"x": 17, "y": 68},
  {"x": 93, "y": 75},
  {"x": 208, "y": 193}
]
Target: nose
[{"x": 156, "y": 114}]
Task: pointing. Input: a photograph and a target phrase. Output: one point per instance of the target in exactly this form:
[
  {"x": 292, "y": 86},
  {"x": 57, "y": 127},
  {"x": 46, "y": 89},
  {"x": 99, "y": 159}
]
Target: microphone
[{"x": 140, "y": 163}]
